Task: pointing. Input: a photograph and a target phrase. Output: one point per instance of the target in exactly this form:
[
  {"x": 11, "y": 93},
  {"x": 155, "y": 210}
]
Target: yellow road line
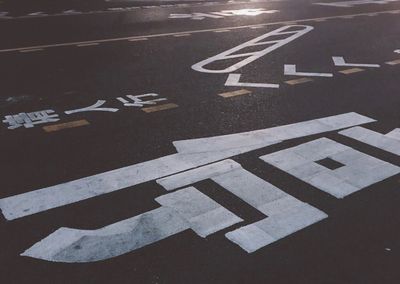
[
  {"x": 299, "y": 81},
  {"x": 351, "y": 71},
  {"x": 66, "y": 125},
  {"x": 159, "y": 107},
  {"x": 235, "y": 93}
]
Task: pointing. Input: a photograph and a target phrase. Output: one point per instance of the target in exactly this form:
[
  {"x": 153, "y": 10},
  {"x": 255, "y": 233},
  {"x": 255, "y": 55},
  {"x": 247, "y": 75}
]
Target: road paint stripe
[
  {"x": 204, "y": 215},
  {"x": 359, "y": 170},
  {"x": 30, "y": 50},
  {"x": 87, "y": 44},
  {"x": 279, "y": 206},
  {"x": 351, "y": 71},
  {"x": 159, "y": 107},
  {"x": 235, "y": 93},
  {"x": 233, "y": 81},
  {"x": 378, "y": 140},
  {"x": 185, "y": 32},
  {"x": 191, "y": 154},
  {"x": 339, "y": 61},
  {"x": 221, "y": 31},
  {"x": 138, "y": 39},
  {"x": 256, "y": 27},
  {"x": 66, "y": 125},
  {"x": 394, "y": 62},
  {"x": 182, "y": 35},
  {"x": 248, "y": 57},
  {"x": 181, "y": 210},
  {"x": 298, "y": 81},
  {"x": 290, "y": 69},
  {"x": 320, "y": 20}
]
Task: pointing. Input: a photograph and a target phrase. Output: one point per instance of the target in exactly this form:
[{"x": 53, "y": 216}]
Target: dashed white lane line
[{"x": 192, "y": 32}]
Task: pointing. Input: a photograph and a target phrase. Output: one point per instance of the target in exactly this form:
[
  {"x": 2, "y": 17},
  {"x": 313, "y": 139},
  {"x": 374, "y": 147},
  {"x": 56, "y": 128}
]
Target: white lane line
[
  {"x": 393, "y": 62},
  {"x": 185, "y": 32},
  {"x": 30, "y": 50},
  {"x": 385, "y": 142},
  {"x": 266, "y": 46},
  {"x": 221, "y": 31},
  {"x": 339, "y": 61},
  {"x": 87, "y": 44},
  {"x": 182, "y": 35},
  {"x": 138, "y": 39},
  {"x": 358, "y": 170},
  {"x": 191, "y": 154},
  {"x": 233, "y": 81},
  {"x": 290, "y": 69}
]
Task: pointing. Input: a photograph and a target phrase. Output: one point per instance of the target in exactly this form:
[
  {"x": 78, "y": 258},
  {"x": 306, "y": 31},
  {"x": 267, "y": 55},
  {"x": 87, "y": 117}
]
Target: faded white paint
[
  {"x": 359, "y": 170},
  {"x": 286, "y": 214},
  {"x": 288, "y": 33},
  {"x": 185, "y": 209},
  {"x": 192, "y": 153},
  {"x": 389, "y": 142}
]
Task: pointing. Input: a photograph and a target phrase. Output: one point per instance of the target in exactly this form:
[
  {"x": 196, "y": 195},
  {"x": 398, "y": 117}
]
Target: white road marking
[
  {"x": 359, "y": 170},
  {"x": 182, "y": 35},
  {"x": 284, "y": 211},
  {"x": 221, "y": 31},
  {"x": 184, "y": 209},
  {"x": 192, "y": 32},
  {"x": 87, "y": 44},
  {"x": 397, "y": 51},
  {"x": 30, "y": 50},
  {"x": 290, "y": 69},
  {"x": 388, "y": 142},
  {"x": 347, "y": 4},
  {"x": 233, "y": 80},
  {"x": 339, "y": 61},
  {"x": 138, "y": 39},
  {"x": 191, "y": 154},
  {"x": 290, "y": 33}
]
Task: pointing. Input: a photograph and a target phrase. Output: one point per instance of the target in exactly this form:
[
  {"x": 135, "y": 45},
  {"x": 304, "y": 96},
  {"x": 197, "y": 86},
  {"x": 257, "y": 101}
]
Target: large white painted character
[
  {"x": 184, "y": 209},
  {"x": 332, "y": 167},
  {"x": 192, "y": 153},
  {"x": 389, "y": 142},
  {"x": 285, "y": 214}
]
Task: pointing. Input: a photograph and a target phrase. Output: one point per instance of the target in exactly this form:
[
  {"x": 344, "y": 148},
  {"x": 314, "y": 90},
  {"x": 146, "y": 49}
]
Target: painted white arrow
[
  {"x": 339, "y": 61},
  {"x": 233, "y": 80},
  {"x": 290, "y": 69}
]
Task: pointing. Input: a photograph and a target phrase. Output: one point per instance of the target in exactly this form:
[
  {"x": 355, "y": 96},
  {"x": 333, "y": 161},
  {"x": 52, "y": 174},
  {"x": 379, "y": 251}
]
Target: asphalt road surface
[{"x": 200, "y": 142}]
